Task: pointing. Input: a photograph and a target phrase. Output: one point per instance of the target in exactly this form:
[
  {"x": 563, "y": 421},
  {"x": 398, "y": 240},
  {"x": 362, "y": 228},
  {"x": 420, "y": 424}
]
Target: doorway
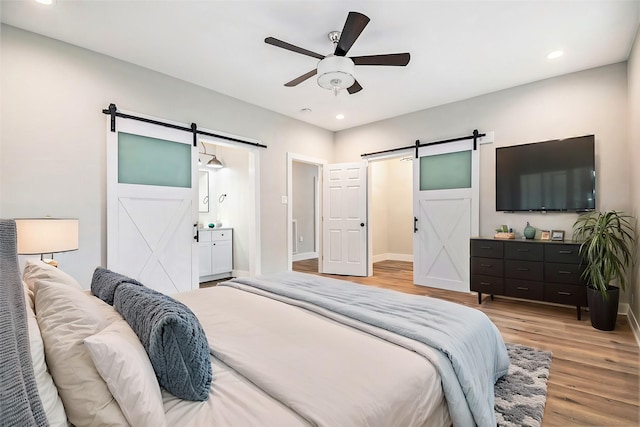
[
  {"x": 391, "y": 209},
  {"x": 231, "y": 193},
  {"x": 303, "y": 210}
]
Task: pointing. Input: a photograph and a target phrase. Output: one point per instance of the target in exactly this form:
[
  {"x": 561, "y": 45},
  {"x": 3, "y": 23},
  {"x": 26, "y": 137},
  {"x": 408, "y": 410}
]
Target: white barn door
[
  {"x": 446, "y": 214},
  {"x": 344, "y": 225},
  {"x": 152, "y": 205}
]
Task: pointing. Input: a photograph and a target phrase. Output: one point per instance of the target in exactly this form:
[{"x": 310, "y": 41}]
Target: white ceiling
[{"x": 459, "y": 49}]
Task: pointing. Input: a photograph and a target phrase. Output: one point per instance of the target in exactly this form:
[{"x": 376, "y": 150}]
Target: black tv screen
[{"x": 557, "y": 175}]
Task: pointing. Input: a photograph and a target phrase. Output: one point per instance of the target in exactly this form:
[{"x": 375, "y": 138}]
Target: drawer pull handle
[
  {"x": 523, "y": 250},
  {"x": 522, "y": 269},
  {"x": 486, "y": 265},
  {"x": 565, "y": 252},
  {"x": 485, "y": 247},
  {"x": 522, "y": 288},
  {"x": 563, "y": 272},
  {"x": 564, "y": 293},
  {"x": 485, "y": 283}
]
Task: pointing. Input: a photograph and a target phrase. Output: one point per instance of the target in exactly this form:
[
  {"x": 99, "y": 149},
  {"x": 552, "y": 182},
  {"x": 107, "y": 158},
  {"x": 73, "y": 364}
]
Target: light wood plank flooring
[{"x": 594, "y": 377}]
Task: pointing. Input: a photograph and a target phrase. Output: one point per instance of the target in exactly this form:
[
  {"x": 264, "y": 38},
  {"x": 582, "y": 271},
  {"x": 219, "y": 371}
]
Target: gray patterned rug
[{"x": 522, "y": 393}]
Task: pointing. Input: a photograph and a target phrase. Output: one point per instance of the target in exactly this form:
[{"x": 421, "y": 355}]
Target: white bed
[{"x": 274, "y": 362}]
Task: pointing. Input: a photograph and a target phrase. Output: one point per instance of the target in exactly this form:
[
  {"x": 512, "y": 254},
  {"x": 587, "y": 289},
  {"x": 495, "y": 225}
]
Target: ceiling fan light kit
[{"x": 336, "y": 71}]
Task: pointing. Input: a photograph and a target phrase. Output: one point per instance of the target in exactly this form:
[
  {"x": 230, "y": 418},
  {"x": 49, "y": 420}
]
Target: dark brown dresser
[{"x": 540, "y": 270}]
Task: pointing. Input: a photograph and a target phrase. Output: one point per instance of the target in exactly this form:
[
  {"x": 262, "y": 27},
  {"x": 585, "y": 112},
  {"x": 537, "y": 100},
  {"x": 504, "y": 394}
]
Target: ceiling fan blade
[
  {"x": 352, "y": 28},
  {"x": 302, "y": 78},
  {"x": 292, "y": 48},
  {"x": 396, "y": 59},
  {"x": 355, "y": 87}
]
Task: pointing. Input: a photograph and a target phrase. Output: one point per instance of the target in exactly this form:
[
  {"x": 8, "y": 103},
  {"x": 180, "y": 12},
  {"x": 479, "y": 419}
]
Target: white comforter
[{"x": 280, "y": 365}]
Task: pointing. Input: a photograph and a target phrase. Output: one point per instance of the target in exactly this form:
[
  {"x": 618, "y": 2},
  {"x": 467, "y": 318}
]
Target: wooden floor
[{"x": 594, "y": 375}]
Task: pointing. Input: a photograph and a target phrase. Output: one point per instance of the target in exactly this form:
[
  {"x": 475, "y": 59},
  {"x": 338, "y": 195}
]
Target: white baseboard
[
  {"x": 633, "y": 322},
  {"x": 393, "y": 257},
  {"x": 304, "y": 255},
  {"x": 240, "y": 273},
  {"x": 623, "y": 308}
]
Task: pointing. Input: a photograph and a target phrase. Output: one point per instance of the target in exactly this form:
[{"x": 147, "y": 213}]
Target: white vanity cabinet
[{"x": 215, "y": 253}]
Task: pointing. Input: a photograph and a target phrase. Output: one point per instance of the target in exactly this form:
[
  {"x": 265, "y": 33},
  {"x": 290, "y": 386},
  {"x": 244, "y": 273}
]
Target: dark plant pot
[{"x": 603, "y": 312}]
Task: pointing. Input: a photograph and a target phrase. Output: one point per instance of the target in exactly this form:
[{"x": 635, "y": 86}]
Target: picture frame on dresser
[{"x": 557, "y": 235}]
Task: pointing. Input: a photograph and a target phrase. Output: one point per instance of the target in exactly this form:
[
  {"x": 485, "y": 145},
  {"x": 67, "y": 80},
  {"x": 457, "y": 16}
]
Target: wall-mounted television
[{"x": 557, "y": 175}]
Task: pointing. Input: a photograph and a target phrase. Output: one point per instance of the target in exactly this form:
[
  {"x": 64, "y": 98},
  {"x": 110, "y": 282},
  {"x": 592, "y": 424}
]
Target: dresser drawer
[
  {"x": 204, "y": 236},
  {"x": 563, "y": 253},
  {"x": 523, "y": 251},
  {"x": 563, "y": 273},
  {"x": 524, "y": 289},
  {"x": 486, "y": 248},
  {"x": 221, "y": 235},
  {"x": 487, "y": 266},
  {"x": 487, "y": 284},
  {"x": 565, "y": 294},
  {"x": 527, "y": 270}
]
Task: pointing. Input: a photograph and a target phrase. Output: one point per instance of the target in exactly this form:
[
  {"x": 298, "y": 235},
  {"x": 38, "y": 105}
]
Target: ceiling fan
[{"x": 336, "y": 71}]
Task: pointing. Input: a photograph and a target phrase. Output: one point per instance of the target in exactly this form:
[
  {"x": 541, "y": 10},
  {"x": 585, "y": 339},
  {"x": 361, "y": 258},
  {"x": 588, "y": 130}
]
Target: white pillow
[
  {"x": 66, "y": 316},
  {"x": 46, "y": 388},
  {"x": 35, "y": 270},
  {"x": 123, "y": 363}
]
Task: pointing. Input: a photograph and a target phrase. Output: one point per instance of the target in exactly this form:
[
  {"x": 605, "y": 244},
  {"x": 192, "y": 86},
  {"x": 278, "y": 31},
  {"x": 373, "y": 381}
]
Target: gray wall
[
  {"x": 53, "y": 138},
  {"x": 634, "y": 161},
  {"x": 588, "y": 102},
  {"x": 304, "y": 177}
]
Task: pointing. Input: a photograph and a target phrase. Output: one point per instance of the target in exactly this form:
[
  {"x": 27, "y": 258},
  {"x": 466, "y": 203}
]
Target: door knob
[{"x": 362, "y": 224}]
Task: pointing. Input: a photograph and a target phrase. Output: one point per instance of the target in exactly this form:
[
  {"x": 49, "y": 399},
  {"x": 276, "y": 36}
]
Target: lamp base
[{"x": 52, "y": 262}]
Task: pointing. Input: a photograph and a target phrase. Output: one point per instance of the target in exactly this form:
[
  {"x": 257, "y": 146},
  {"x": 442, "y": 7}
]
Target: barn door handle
[
  {"x": 415, "y": 224},
  {"x": 196, "y": 236}
]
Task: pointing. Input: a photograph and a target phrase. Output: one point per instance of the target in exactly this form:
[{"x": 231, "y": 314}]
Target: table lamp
[{"x": 46, "y": 236}]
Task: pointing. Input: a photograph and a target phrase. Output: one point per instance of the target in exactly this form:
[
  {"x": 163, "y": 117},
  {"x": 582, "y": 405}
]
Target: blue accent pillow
[
  {"x": 105, "y": 282},
  {"x": 173, "y": 338}
]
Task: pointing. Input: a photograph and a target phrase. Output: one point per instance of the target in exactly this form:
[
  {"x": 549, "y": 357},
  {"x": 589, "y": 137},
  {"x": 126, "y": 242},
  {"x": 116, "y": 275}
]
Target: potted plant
[{"x": 607, "y": 245}]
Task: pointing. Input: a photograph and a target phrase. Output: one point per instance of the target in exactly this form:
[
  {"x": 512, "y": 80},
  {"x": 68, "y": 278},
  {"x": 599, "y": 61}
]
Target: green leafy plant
[{"x": 607, "y": 245}]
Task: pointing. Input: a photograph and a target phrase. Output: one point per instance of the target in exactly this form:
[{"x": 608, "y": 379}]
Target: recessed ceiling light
[
  {"x": 555, "y": 54},
  {"x": 47, "y": 2},
  {"x": 340, "y": 116}
]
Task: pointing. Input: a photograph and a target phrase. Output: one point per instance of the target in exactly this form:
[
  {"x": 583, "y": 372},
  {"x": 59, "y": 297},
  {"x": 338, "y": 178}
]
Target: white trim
[
  {"x": 393, "y": 257},
  {"x": 633, "y": 323},
  {"x": 305, "y": 255},
  {"x": 291, "y": 157},
  {"x": 241, "y": 273}
]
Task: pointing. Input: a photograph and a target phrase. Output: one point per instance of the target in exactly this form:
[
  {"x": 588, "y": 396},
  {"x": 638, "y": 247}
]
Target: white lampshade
[
  {"x": 46, "y": 235},
  {"x": 336, "y": 73}
]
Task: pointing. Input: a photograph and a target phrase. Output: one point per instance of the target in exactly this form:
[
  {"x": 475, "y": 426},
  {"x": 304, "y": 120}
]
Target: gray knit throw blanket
[{"x": 20, "y": 404}]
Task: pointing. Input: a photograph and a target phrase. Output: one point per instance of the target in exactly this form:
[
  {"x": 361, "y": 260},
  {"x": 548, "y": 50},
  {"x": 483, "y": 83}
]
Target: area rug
[{"x": 522, "y": 393}]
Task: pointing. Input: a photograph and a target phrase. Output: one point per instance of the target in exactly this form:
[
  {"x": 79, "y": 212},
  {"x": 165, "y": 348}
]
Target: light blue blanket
[{"x": 471, "y": 352}]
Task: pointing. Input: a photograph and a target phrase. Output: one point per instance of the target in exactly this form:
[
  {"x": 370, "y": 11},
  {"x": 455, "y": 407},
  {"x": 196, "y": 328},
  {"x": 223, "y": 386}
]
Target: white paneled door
[
  {"x": 344, "y": 226},
  {"x": 446, "y": 214},
  {"x": 152, "y": 205}
]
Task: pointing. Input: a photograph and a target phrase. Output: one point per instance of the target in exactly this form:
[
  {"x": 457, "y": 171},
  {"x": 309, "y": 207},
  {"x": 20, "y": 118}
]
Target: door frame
[
  {"x": 375, "y": 158},
  {"x": 319, "y": 163},
  {"x": 255, "y": 252}
]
